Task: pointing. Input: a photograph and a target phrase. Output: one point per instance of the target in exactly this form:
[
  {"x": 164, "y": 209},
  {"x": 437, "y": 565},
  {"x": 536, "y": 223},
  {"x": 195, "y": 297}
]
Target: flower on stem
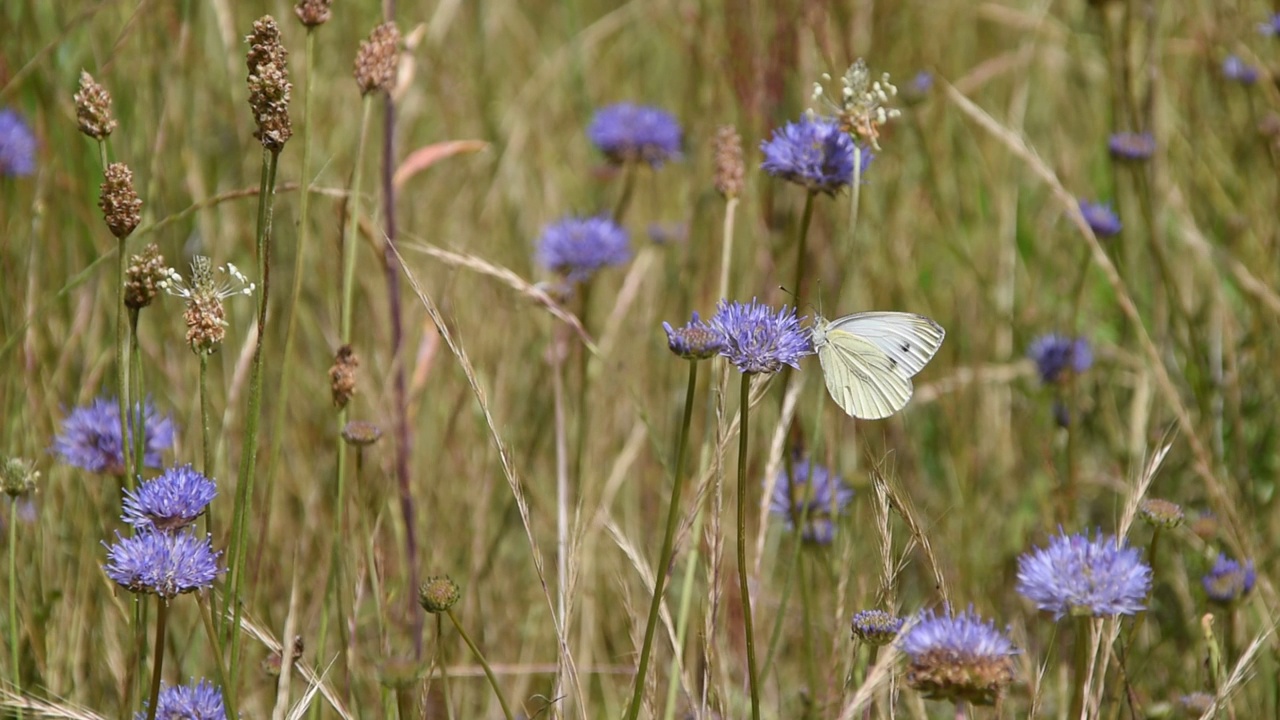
[
  {"x": 813, "y": 153},
  {"x": 876, "y": 627},
  {"x": 121, "y": 207},
  {"x": 577, "y": 247},
  {"x": 438, "y": 594},
  {"x": 695, "y": 341},
  {"x": 958, "y": 657},
  {"x": 1081, "y": 577},
  {"x": 1102, "y": 220},
  {"x": 1130, "y": 146},
  {"x": 204, "y": 293},
  {"x": 759, "y": 340},
  {"x": 90, "y": 437},
  {"x": 269, "y": 85},
  {"x": 202, "y": 701},
  {"x": 864, "y": 103},
  {"x": 18, "y": 477},
  {"x": 312, "y": 12},
  {"x": 342, "y": 376},
  {"x": 730, "y": 172},
  {"x": 1161, "y": 513},
  {"x": 144, "y": 277},
  {"x": 378, "y": 58},
  {"x": 360, "y": 433},
  {"x": 169, "y": 502},
  {"x": 17, "y": 145},
  {"x": 1237, "y": 70},
  {"x": 812, "y": 493},
  {"x": 163, "y": 564},
  {"x": 1057, "y": 355},
  {"x": 93, "y": 108},
  {"x": 626, "y": 132},
  {"x": 1229, "y": 581}
]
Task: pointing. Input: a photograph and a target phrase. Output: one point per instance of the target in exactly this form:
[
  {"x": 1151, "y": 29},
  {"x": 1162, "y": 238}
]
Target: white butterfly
[{"x": 868, "y": 359}]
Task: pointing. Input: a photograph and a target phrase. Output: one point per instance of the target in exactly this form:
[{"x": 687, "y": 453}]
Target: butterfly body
[{"x": 868, "y": 359}]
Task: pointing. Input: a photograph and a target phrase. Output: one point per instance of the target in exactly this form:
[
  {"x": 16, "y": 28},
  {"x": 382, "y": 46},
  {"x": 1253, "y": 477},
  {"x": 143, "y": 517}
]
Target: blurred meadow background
[{"x": 521, "y": 424}]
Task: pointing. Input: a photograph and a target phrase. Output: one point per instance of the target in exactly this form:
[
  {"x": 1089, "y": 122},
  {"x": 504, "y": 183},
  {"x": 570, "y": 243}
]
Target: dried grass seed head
[
  {"x": 378, "y": 58},
  {"x": 863, "y": 106},
  {"x": 120, "y": 204},
  {"x": 342, "y": 375},
  {"x": 269, "y": 85},
  {"x": 143, "y": 277},
  {"x": 205, "y": 316},
  {"x": 730, "y": 171},
  {"x": 93, "y": 108},
  {"x": 312, "y": 12}
]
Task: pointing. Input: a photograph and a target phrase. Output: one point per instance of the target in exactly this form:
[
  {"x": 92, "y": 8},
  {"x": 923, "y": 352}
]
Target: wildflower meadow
[{"x": 622, "y": 359}]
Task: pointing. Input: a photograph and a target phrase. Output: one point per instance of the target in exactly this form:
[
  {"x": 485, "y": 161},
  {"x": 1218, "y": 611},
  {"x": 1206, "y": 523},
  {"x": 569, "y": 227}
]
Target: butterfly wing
[
  {"x": 908, "y": 340},
  {"x": 860, "y": 377}
]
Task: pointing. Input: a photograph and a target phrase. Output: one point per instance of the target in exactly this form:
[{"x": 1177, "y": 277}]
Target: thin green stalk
[
  {"x": 742, "y": 545},
  {"x": 207, "y": 611},
  {"x": 206, "y": 445},
  {"x": 628, "y": 187},
  {"x": 249, "y": 450},
  {"x": 775, "y": 635},
  {"x": 14, "y": 632},
  {"x": 801, "y": 255},
  {"x": 162, "y": 614},
  {"x": 806, "y": 616},
  {"x": 444, "y": 666},
  {"x": 682, "y": 617},
  {"x": 122, "y": 370},
  {"x": 488, "y": 671},
  {"x": 1081, "y": 670},
  {"x": 353, "y": 232},
  {"x": 136, "y": 396},
  {"x": 726, "y": 249},
  {"x": 1142, "y": 614},
  {"x": 664, "y": 556},
  {"x": 405, "y": 700}
]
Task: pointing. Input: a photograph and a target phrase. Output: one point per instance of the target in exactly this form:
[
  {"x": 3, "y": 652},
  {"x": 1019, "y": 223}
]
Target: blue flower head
[
  {"x": 17, "y": 145},
  {"x": 1081, "y": 577},
  {"x": 1129, "y": 146},
  {"x": 876, "y": 627},
  {"x": 759, "y": 340},
  {"x": 694, "y": 341},
  {"x": 1271, "y": 27},
  {"x": 577, "y": 247},
  {"x": 1056, "y": 355},
  {"x": 814, "y": 153},
  {"x": 1237, "y": 70},
  {"x": 90, "y": 437},
  {"x": 162, "y": 564},
  {"x": 625, "y": 132},
  {"x": 816, "y": 494},
  {"x": 958, "y": 657},
  {"x": 919, "y": 87},
  {"x": 202, "y": 701},
  {"x": 169, "y": 502},
  {"x": 1229, "y": 581},
  {"x": 1101, "y": 218}
]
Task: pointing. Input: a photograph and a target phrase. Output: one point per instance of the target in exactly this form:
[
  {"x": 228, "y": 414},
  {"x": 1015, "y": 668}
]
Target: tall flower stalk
[
  {"x": 18, "y": 479},
  {"x": 121, "y": 209}
]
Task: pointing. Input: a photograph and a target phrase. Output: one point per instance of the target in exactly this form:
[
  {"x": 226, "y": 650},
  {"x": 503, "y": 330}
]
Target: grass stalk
[
  {"x": 801, "y": 255},
  {"x": 743, "y": 586},
  {"x": 14, "y": 632},
  {"x": 122, "y": 369},
  {"x": 488, "y": 671},
  {"x": 664, "y": 556},
  {"x": 628, "y": 189},
  {"x": 162, "y": 614},
  {"x": 136, "y": 398},
  {"x": 1080, "y": 670}
]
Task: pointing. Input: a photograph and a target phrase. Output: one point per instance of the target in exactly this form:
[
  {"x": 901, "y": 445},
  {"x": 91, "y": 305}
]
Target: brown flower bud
[
  {"x": 342, "y": 376},
  {"x": 312, "y": 12},
  {"x": 121, "y": 207},
  {"x": 729, "y": 169},
  {"x": 93, "y": 108},
  {"x": 360, "y": 433},
  {"x": 378, "y": 58},
  {"x": 269, "y": 85},
  {"x": 143, "y": 277}
]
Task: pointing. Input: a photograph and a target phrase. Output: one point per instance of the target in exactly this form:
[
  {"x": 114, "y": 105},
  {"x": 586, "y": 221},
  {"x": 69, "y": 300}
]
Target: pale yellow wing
[{"x": 861, "y": 378}]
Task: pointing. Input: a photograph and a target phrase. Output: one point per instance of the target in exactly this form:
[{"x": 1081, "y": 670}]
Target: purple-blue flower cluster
[
  {"x": 169, "y": 502},
  {"x": 17, "y": 145},
  {"x": 814, "y": 153},
  {"x": 1229, "y": 580},
  {"x": 1270, "y": 28},
  {"x": 1055, "y": 355},
  {"x": 626, "y": 132},
  {"x": 1101, "y": 218},
  {"x": 812, "y": 493},
  {"x": 577, "y": 247},
  {"x": 875, "y": 627},
  {"x": 202, "y": 701},
  {"x": 695, "y": 341},
  {"x": 958, "y": 657},
  {"x": 162, "y": 564},
  {"x": 1130, "y": 146},
  {"x": 1237, "y": 70},
  {"x": 90, "y": 437},
  {"x": 759, "y": 340},
  {"x": 1078, "y": 576}
]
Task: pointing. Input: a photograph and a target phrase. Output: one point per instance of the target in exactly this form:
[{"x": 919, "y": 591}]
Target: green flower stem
[
  {"x": 664, "y": 556},
  {"x": 873, "y": 651},
  {"x": 249, "y": 449},
  {"x": 488, "y": 671},
  {"x": 351, "y": 241},
  {"x": 682, "y": 618},
  {"x": 1082, "y": 636},
  {"x": 742, "y": 545},
  {"x": 405, "y": 702},
  {"x": 1142, "y": 614},
  {"x": 207, "y": 612},
  {"x": 136, "y": 403},
  {"x": 444, "y": 666},
  {"x": 628, "y": 188},
  {"x": 206, "y": 445},
  {"x": 801, "y": 255},
  {"x": 122, "y": 370},
  {"x": 14, "y": 632},
  {"x": 162, "y": 613},
  {"x": 806, "y": 616}
]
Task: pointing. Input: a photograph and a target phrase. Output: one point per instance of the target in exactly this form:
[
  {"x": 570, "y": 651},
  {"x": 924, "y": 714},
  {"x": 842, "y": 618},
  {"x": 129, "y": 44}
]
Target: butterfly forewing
[
  {"x": 860, "y": 377},
  {"x": 909, "y": 340}
]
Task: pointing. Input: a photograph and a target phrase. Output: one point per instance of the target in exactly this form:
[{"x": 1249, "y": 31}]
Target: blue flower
[
  {"x": 169, "y": 502},
  {"x": 626, "y": 132},
  {"x": 1229, "y": 580},
  {"x": 758, "y": 340},
  {"x": 958, "y": 657},
  {"x": 1237, "y": 70},
  {"x": 578, "y": 247},
  {"x": 17, "y": 145},
  {"x": 162, "y": 564},
  {"x": 202, "y": 701},
  {"x": 1130, "y": 146},
  {"x": 1101, "y": 218},
  {"x": 876, "y": 627},
  {"x": 1271, "y": 27},
  {"x": 90, "y": 437},
  {"x": 694, "y": 341},
  {"x": 816, "y": 494},
  {"x": 919, "y": 87},
  {"x": 1081, "y": 577},
  {"x": 1055, "y": 355},
  {"x": 814, "y": 153}
]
